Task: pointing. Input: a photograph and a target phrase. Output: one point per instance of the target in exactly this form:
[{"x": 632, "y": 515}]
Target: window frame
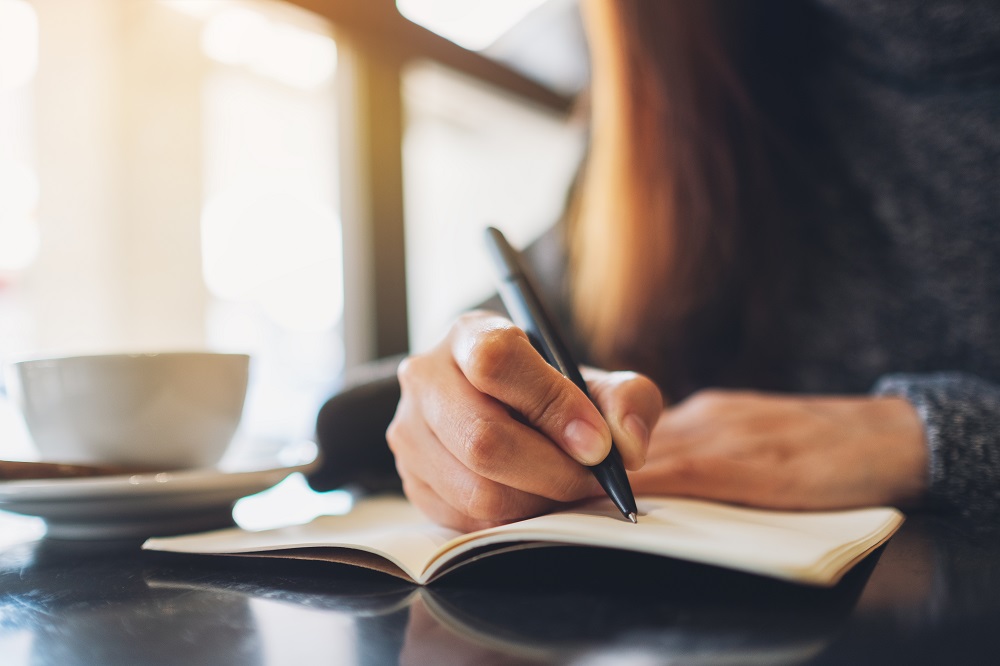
[{"x": 375, "y": 43}]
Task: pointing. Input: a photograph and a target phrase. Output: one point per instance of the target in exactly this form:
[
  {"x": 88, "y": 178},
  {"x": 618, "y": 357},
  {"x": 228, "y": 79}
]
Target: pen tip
[{"x": 631, "y": 516}]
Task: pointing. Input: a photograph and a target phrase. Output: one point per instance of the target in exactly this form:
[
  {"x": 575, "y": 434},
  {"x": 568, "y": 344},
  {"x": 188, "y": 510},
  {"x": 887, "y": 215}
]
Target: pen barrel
[
  {"x": 530, "y": 315},
  {"x": 520, "y": 297}
]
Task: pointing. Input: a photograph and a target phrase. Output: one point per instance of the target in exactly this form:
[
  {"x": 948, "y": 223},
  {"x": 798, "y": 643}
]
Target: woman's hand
[
  {"x": 487, "y": 432},
  {"x": 787, "y": 452}
]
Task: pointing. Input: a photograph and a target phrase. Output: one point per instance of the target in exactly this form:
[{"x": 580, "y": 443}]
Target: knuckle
[
  {"x": 408, "y": 371},
  {"x": 468, "y": 321},
  {"x": 552, "y": 403},
  {"x": 480, "y": 447},
  {"x": 482, "y": 500},
  {"x": 705, "y": 396},
  {"x": 394, "y": 434},
  {"x": 777, "y": 489},
  {"x": 706, "y": 399},
  {"x": 685, "y": 469},
  {"x": 405, "y": 367},
  {"x": 489, "y": 352}
]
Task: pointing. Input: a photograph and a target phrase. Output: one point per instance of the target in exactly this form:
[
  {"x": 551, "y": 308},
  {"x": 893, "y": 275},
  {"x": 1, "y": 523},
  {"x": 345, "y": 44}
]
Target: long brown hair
[{"x": 678, "y": 221}]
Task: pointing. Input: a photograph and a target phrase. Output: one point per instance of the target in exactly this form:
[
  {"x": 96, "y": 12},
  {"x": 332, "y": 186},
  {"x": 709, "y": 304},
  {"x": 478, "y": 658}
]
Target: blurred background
[{"x": 304, "y": 181}]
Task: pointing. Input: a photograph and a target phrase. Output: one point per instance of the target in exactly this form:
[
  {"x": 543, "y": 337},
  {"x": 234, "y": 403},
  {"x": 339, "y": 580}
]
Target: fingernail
[
  {"x": 636, "y": 428},
  {"x": 585, "y": 441}
]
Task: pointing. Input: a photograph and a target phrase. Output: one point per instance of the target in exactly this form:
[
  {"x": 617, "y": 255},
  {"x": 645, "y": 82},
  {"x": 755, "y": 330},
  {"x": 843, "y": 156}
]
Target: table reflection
[
  {"x": 930, "y": 595},
  {"x": 552, "y": 605},
  {"x": 933, "y": 598}
]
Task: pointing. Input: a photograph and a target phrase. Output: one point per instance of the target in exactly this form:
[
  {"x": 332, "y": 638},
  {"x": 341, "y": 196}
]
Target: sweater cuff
[{"x": 961, "y": 417}]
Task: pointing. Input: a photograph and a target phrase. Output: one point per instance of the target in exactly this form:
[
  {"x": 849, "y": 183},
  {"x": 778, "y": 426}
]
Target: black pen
[{"x": 523, "y": 302}]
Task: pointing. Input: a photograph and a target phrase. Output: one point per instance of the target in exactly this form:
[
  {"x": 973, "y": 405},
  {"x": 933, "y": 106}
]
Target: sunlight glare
[
  {"x": 18, "y": 43},
  {"x": 291, "y": 502},
  {"x": 19, "y": 238},
  {"x": 279, "y": 51},
  {"x": 267, "y": 245},
  {"x": 472, "y": 24}
]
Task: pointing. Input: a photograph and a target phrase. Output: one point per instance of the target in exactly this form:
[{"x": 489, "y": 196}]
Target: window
[
  {"x": 271, "y": 251},
  {"x": 168, "y": 180},
  {"x": 19, "y": 185},
  {"x": 476, "y": 154},
  {"x": 473, "y": 157},
  {"x": 231, "y": 174}
]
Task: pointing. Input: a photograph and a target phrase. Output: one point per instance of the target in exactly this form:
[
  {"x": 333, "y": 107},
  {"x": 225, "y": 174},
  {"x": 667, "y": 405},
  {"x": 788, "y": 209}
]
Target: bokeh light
[
  {"x": 19, "y": 238},
  {"x": 276, "y": 50},
  {"x": 267, "y": 244},
  {"x": 18, "y": 43},
  {"x": 473, "y": 24}
]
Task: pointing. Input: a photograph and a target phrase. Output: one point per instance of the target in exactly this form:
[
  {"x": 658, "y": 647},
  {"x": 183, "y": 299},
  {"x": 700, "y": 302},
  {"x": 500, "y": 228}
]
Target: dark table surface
[{"x": 932, "y": 595}]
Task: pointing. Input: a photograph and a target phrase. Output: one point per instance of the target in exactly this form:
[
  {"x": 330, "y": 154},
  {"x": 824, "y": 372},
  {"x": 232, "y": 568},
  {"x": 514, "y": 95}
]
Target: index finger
[{"x": 497, "y": 358}]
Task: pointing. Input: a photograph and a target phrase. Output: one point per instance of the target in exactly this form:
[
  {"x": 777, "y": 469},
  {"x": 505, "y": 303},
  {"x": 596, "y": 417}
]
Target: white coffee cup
[{"x": 159, "y": 410}]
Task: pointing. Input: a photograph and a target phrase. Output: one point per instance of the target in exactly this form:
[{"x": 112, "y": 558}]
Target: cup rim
[{"x": 29, "y": 360}]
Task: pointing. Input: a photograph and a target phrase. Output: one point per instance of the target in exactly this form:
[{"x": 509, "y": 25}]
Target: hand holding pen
[
  {"x": 488, "y": 432},
  {"x": 523, "y": 301}
]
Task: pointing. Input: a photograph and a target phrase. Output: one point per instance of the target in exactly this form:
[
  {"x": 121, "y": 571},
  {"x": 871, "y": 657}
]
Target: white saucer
[{"x": 143, "y": 505}]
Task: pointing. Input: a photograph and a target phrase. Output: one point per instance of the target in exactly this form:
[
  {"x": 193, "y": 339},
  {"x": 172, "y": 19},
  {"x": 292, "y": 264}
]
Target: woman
[{"x": 787, "y": 225}]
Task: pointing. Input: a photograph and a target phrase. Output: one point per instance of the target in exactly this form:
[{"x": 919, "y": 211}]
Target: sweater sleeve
[{"x": 961, "y": 416}]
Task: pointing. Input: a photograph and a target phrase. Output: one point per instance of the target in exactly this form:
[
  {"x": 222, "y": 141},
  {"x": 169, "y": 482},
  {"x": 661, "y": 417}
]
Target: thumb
[{"x": 631, "y": 404}]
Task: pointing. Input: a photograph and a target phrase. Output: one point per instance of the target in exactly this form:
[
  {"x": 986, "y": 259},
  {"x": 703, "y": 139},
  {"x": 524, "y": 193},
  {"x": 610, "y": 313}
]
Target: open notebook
[{"x": 390, "y": 535}]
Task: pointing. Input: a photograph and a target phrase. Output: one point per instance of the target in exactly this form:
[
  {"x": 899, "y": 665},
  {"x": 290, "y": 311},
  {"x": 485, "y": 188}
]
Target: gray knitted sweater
[{"x": 911, "y": 102}]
